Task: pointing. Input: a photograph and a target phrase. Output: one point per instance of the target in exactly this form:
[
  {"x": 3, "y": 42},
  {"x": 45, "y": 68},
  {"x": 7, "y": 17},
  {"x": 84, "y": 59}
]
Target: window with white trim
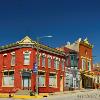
[
  {"x": 26, "y": 58},
  {"x": 41, "y": 78},
  {"x": 89, "y": 65},
  {"x": 52, "y": 80},
  {"x": 56, "y": 63},
  {"x": 49, "y": 62},
  {"x": 43, "y": 60},
  {"x": 5, "y": 59},
  {"x": 8, "y": 78},
  {"x": 63, "y": 64},
  {"x": 67, "y": 79},
  {"x": 38, "y": 59},
  {"x": 13, "y": 59},
  {"x": 83, "y": 64}
]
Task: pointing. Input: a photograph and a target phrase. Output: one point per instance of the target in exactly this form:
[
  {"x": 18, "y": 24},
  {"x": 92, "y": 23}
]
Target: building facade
[
  {"x": 72, "y": 74},
  {"x": 84, "y": 48},
  {"x": 18, "y": 63},
  {"x": 96, "y": 69}
]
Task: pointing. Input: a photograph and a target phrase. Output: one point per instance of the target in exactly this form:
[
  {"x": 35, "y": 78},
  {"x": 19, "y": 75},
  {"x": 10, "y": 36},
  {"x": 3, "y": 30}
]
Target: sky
[{"x": 65, "y": 20}]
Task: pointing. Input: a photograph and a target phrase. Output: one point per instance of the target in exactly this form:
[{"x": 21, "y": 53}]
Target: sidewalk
[
  {"x": 41, "y": 95},
  {"x": 70, "y": 92}
]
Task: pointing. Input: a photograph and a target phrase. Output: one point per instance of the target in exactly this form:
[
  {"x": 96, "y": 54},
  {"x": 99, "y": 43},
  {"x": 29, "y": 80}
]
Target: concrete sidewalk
[
  {"x": 70, "y": 92},
  {"x": 41, "y": 95}
]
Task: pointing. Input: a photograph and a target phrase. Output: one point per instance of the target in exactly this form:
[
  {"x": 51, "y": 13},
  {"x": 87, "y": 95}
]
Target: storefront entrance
[
  {"x": 61, "y": 84},
  {"x": 26, "y": 81}
]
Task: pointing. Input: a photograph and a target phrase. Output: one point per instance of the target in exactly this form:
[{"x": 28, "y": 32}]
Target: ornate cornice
[{"x": 27, "y": 42}]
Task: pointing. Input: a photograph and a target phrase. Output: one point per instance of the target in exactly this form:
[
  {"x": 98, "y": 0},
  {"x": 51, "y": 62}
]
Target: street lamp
[{"x": 37, "y": 47}]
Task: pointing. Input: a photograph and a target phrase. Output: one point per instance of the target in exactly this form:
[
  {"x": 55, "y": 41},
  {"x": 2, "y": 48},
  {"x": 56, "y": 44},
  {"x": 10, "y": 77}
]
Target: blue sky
[{"x": 66, "y": 20}]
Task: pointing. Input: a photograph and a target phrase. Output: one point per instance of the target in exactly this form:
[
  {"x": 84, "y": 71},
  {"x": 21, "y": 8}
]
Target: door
[
  {"x": 61, "y": 83},
  {"x": 26, "y": 83}
]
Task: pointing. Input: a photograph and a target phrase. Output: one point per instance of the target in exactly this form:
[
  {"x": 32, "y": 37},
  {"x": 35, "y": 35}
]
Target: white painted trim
[
  {"x": 27, "y": 51},
  {"x": 5, "y": 54},
  {"x": 41, "y": 71},
  {"x": 13, "y": 53},
  {"x": 43, "y": 54},
  {"x": 49, "y": 56},
  {"x": 53, "y": 73},
  {"x": 83, "y": 57}
]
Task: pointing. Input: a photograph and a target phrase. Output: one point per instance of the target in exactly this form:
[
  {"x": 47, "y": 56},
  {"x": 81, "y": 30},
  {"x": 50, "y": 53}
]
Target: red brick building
[{"x": 17, "y": 62}]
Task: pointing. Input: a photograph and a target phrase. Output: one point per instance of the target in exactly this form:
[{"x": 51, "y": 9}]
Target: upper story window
[
  {"x": 43, "y": 60},
  {"x": 85, "y": 52},
  {"x": 39, "y": 55},
  {"x": 49, "y": 61},
  {"x": 4, "y": 60},
  {"x": 13, "y": 59},
  {"x": 63, "y": 64},
  {"x": 83, "y": 64},
  {"x": 27, "y": 57},
  {"x": 56, "y": 63},
  {"x": 73, "y": 58},
  {"x": 89, "y": 65}
]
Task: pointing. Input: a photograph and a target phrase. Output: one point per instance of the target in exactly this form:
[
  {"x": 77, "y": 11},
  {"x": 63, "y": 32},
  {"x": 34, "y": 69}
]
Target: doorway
[
  {"x": 61, "y": 83},
  {"x": 26, "y": 82}
]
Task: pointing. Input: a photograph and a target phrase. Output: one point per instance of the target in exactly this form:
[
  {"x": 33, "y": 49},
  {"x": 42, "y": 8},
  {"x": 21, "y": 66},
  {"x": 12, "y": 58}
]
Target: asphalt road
[{"x": 83, "y": 95}]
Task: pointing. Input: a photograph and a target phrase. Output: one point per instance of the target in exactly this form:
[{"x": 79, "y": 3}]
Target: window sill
[
  {"x": 12, "y": 65},
  {"x": 8, "y": 86},
  {"x": 26, "y": 64},
  {"x": 53, "y": 86},
  {"x": 42, "y": 86},
  {"x": 43, "y": 66},
  {"x": 4, "y": 66}
]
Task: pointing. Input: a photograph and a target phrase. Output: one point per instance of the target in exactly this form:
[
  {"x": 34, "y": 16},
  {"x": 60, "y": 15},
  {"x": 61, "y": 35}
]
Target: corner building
[{"x": 17, "y": 64}]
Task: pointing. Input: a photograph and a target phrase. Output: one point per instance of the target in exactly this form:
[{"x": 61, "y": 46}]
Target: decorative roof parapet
[
  {"x": 86, "y": 42},
  {"x": 28, "y": 41}
]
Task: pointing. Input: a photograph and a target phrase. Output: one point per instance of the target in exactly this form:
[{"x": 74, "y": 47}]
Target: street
[{"x": 83, "y": 95}]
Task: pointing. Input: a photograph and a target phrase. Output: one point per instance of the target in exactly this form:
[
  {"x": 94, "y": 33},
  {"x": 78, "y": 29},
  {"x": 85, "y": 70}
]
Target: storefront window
[
  {"x": 52, "y": 80},
  {"x": 41, "y": 79},
  {"x": 8, "y": 78}
]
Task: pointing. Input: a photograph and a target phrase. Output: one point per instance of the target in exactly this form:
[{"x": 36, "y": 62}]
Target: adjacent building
[
  {"x": 96, "y": 69},
  {"x": 18, "y": 66},
  {"x": 72, "y": 75},
  {"x": 85, "y": 61}
]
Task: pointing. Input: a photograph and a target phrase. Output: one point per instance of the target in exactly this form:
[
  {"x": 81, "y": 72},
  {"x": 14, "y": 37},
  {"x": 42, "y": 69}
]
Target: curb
[{"x": 20, "y": 96}]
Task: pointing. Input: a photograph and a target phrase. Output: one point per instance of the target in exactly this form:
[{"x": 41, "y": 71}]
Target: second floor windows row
[{"x": 43, "y": 60}]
